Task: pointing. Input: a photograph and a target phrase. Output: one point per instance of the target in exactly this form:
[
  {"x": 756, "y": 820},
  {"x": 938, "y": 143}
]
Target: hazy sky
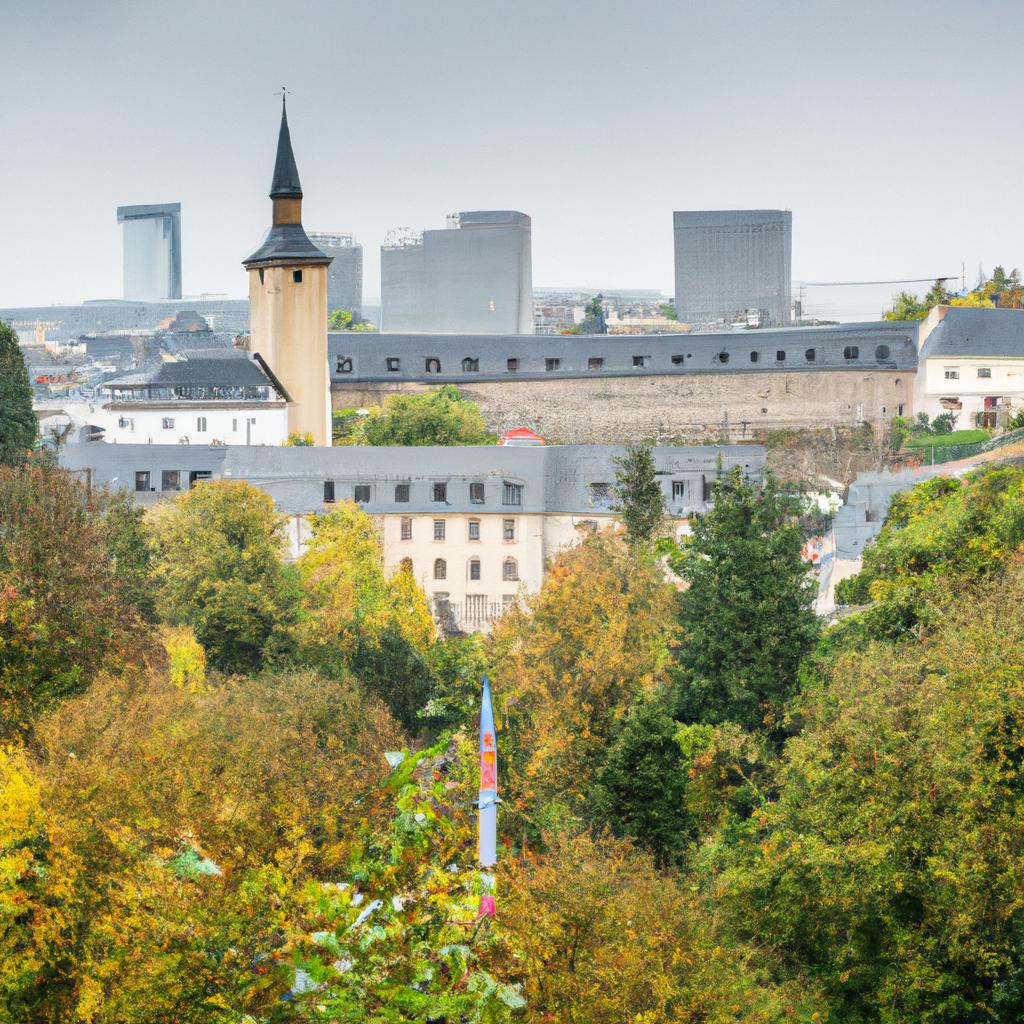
[{"x": 887, "y": 126}]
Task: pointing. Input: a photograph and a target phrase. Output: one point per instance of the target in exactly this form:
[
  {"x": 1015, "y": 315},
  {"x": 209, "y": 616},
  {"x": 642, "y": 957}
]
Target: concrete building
[
  {"x": 345, "y": 274},
  {"x": 288, "y": 302},
  {"x": 473, "y": 277},
  {"x": 684, "y": 387},
  {"x": 152, "y": 251},
  {"x": 478, "y": 524},
  {"x": 971, "y": 364},
  {"x": 733, "y": 266}
]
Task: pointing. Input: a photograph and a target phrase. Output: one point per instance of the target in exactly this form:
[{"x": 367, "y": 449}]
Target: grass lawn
[{"x": 943, "y": 440}]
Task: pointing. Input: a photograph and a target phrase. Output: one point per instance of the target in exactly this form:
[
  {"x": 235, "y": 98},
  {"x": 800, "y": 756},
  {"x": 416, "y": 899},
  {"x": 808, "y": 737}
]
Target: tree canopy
[
  {"x": 441, "y": 417},
  {"x": 18, "y": 427},
  {"x": 639, "y": 501}
]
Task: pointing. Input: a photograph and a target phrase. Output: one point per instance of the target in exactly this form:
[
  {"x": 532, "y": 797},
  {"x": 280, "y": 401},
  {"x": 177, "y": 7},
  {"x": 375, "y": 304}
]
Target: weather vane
[{"x": 283, "y": 92}]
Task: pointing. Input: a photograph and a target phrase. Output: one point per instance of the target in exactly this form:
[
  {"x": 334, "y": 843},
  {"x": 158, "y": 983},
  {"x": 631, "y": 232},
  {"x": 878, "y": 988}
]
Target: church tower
[{"x": 288, "y": 302}]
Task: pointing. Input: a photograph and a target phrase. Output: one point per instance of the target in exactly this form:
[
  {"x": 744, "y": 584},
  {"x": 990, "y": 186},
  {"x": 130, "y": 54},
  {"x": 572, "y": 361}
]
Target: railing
[
  {"x": 471, "y": 617},
  {"x": 934, "y": 455}
]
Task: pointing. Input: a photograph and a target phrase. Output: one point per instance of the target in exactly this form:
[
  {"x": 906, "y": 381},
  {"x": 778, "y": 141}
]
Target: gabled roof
[
  {"x": 217, "y": 368},
  {"x": 977, "y": 332}
]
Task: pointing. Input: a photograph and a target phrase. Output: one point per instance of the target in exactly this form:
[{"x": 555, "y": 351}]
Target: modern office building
[
  {"x": 152, "y": 251},
  {"x": 345, "y": 274},
  {"x": 733, "y": 267},
  {"x": 475, "y": 276}
]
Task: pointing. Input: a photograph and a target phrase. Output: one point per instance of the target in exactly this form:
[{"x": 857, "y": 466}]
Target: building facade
[
  {"x": 476, "y": 276},
  {"x": 477, "y": 524},
  {"x": 971, "y": 365},
  {"x": 733, "y": 266},
  {"x": 583, "y": 389},
  {"x": 288, "y": 302},
  {"x": 152, "y": 251},
  {"x": 345, "y": 274}
]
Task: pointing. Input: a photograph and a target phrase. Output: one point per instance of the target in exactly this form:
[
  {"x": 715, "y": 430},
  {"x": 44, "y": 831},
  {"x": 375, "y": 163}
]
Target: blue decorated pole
[{"x": 487, "y": 804}]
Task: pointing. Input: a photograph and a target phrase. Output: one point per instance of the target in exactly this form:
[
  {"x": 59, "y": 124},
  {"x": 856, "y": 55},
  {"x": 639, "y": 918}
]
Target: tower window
[
  {"x": 260, "y": 272},
  {"x": 297, "y": 276}
]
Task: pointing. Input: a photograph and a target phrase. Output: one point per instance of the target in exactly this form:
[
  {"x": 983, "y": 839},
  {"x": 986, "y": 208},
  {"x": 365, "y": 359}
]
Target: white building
[
  {"x": 216, "y": 396},
  {"x": 971, "y": 363}
]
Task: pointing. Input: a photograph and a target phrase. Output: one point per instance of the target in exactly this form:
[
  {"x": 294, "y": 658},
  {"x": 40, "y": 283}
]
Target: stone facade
[{"x": 684, "y": 407}]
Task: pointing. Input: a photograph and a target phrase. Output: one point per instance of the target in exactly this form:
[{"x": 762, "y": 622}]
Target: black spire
[{"x": 286, "y": 174}]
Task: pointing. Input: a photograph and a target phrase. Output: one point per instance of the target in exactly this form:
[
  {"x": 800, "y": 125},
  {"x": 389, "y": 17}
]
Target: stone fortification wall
[{"x": 686, "y": 407}]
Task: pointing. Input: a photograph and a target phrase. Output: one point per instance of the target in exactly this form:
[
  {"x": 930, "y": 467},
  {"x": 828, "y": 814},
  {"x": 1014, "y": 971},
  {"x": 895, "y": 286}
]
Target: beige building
[{"x": 288, "y": 302}]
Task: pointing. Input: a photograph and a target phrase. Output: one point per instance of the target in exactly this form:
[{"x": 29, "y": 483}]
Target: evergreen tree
[
  {"x": 638, "y": 494},
  {"x": 18, "y": 429},
  {"x": 746, "y": 615}
]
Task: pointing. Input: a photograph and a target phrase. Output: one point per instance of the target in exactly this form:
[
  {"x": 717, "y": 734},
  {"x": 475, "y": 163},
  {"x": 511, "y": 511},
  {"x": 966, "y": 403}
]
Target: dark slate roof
[
  {"x": 977, "y": 332},
  {"x": 208, "y": 369},
  {"x": 463, "y": 358},
  {"x": 286, "y": 174},
  {"x": 289, "y": 243}
]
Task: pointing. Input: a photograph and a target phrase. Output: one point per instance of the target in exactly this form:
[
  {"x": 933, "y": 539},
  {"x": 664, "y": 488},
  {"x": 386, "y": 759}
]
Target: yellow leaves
[
  {"x": 20, "y": 802},
  {"x": 186, "y": 657}
]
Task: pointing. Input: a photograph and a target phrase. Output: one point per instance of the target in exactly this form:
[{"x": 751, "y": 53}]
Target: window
[
  {"x": 474, "y": 568},
  {"x": 261, "y": 275},
  {"x": 474, "y": 529},
  {"x": 512, "y": 365},
  {"x": 678, "y": 360},
  {"x": 297, "y": 276},
  {"x": 167, "y": 423},
  {"x": 595, "y": 363},
  {"x": 754, "y": 356},
  {"x": 809, "y": 355},
  {"x": 234, "y": 426},
  {"x": 199, "y": 474},
  {"x": 344, "y": 364},
  {"x": 508, "y": 529},
  {"x": 328, "y": 491},
  {"x": 170, "y": 480},
  {"x": 985, "y": 371},
  {"x": 476, "y": 492},
  {"x": 439, "y": 529},
  {"x": 406, "y": 528},
  {"x": 200, "y": 424},
  {"x": 851, "y": 352},
  {"x": 392, "y": 363},
  {"x": 600, "y": 493},
  {"x": 440, "y": 569},
  {"x": 509, "y": 570},
  {"x": 432, "y": 364},
  {"x": 123, "y": 423},
  {"x": 470, "y": 365},
  {"x": 142, "y": 480},
  {"x": 640, "y": 360},
  {"x": 780, "y": 356},
  {"x": 507, "y": 599},
  {"x": 361, "y": 493},
  {"x": 723, "y": 357},
  {"x": 679, "y": 490},
  {"x": 951, "y": 373},
  {"x": 707, "y": 488},
  {"x": 440, "y": 492},
  {"x": 552, "y": 364},
  {"x": 401, "y": 493},
  {"x": 512, "y": 494},
  {"x": 882, "y": 352}
]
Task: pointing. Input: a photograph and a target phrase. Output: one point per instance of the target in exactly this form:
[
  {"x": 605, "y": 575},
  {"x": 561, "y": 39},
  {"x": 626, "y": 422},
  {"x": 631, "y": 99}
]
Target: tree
[
  {"x": 746, "y": 618},
  {"x": 441, "y": 417},
  {"x": 668, "y": 310},
  {"x": 593, "y": 316},
  {"x": 639, "y": 500},
  {"x": 65, "y": 604},
  {"x": 18, "y": 428},
  {"x": 342, "y": 320},
  {"x": 218, "y": 566},
  {"x": 567, "y": 665}
]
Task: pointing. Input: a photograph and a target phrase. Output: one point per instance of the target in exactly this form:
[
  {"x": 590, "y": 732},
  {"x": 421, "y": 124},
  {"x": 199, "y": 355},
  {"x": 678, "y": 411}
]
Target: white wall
[{"x": 1006, "y": 382}]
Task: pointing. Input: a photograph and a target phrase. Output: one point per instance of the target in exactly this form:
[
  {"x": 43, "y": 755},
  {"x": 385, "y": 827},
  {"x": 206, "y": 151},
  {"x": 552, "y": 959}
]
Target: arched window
[
  {"x": 474, "y": 568},
  {"x": 882, "y": 352},
  {"x": 510, "y": 570},
  {"x": 809, "y": 355},
  {"x": 851, "y": 352},
  {"x": 440, "y": 569},
  {"x": 432, "y": 364},
  {"x": 470, "y": 365}
]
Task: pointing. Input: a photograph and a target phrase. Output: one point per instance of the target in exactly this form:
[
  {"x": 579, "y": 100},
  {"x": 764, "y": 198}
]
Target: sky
[{"x": 886, "y": 126}]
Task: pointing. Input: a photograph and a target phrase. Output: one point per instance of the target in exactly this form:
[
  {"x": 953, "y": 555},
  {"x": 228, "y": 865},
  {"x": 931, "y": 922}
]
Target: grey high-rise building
[
  {"x": 733, "y": 266},
  {"x": 345, "y": 274},
  {"x": 152, "y": 251},
  {"x": 475, "y": 276}
]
